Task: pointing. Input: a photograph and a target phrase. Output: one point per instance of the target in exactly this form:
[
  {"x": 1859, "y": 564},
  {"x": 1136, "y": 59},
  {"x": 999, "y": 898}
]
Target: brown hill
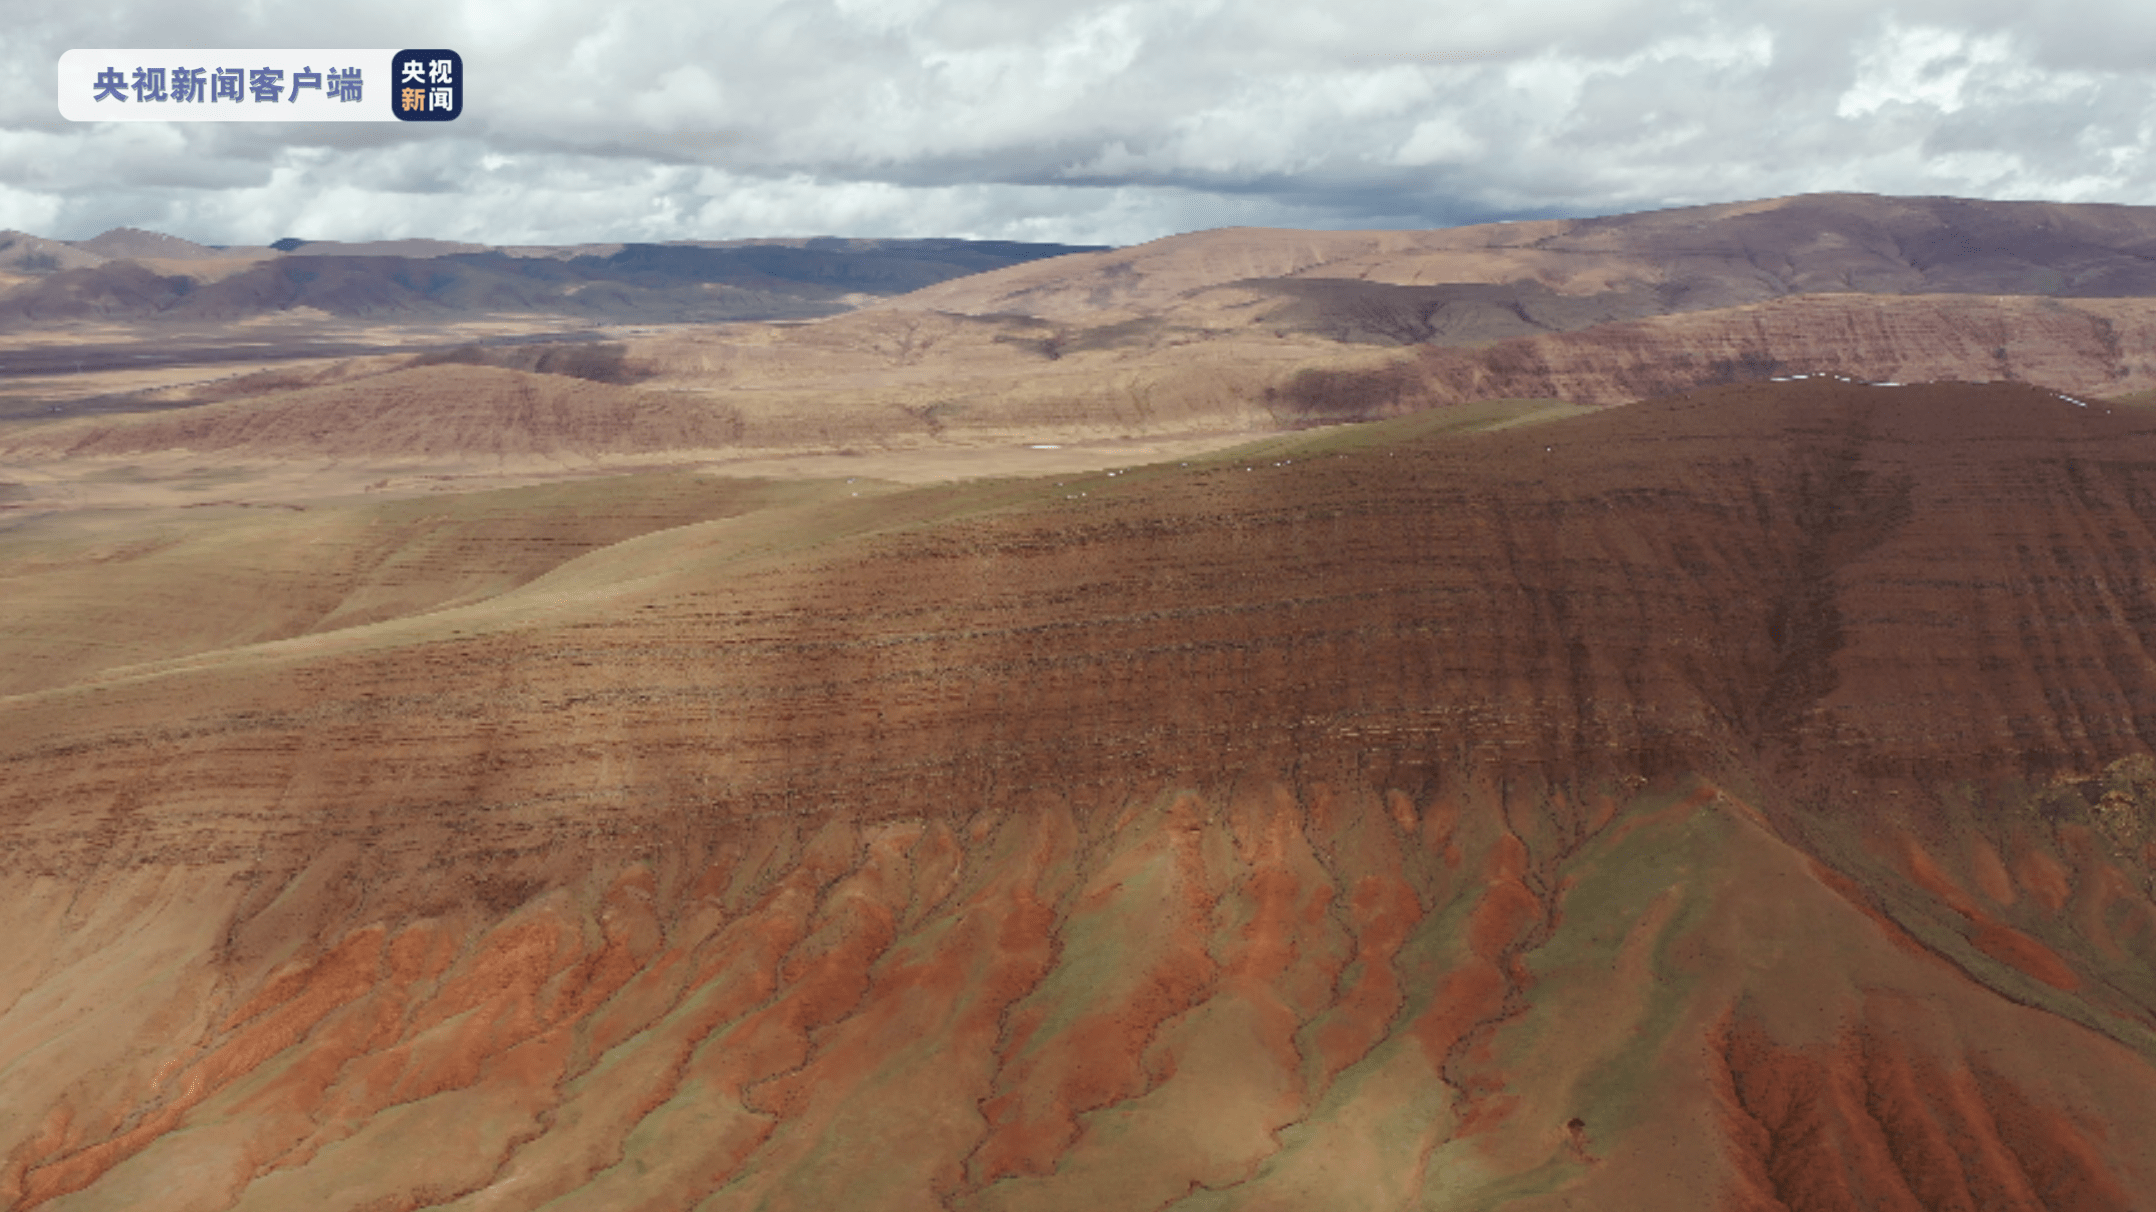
[
  {"x": 2093, "y": 347},
  {"x": 1470, "y": 284},
  {"x": 22, "y": 253},
  {"x": 432, "y": 279},
  {"x": 876, "y": 380},
  {"x": 414, "y": 413},
  {"x": 1236, "y": 330},
  {"x": 110, "y": 290},
  {"x": 90, "y": 591},
  {"x": 135, "y": 244},
  {"x": 1210, "y": 333},
  {"x": 888, "y": 375},
  {"x": 1738, "y": 800},
  {"x": 1457, "y": 286}
]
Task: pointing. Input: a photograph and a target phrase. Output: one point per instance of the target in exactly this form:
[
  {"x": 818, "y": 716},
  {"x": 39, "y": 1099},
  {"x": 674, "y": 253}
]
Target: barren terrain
[{"x": 1083, "y": 737}]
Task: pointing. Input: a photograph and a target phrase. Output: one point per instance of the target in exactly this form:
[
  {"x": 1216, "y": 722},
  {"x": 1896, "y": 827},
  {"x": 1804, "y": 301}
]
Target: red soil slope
[{"x": 1735, "y": 801}]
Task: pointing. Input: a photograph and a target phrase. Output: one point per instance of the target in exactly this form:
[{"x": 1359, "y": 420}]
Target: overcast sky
[{"x": 1091, "y": 122}]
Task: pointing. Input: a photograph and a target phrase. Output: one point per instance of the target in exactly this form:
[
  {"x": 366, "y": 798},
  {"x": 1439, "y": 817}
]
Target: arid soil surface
[
  {"x": 1648, "y": 713},
  {"x": 1217, "y": 332},
  {"x": 1735, "y": 800}
]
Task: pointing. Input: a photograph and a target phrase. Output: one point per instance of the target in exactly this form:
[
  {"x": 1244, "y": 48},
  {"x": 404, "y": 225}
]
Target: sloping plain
[{"x": 1736, "y": 800}]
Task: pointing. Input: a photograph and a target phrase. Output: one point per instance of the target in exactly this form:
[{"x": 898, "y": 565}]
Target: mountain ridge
[
  {"x": 127, "y": 274},
  {"x": 1255, "y": 721},
  {"x": 1029, "y": 825}
]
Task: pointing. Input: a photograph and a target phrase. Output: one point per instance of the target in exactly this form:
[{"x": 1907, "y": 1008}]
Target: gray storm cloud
[{"x": 1093, "y": 122}]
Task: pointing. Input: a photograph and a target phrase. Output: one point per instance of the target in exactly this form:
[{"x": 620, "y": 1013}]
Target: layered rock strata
[{"x": 1730, "y": 801}]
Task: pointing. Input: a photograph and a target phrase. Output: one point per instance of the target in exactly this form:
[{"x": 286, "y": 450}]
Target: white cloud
[
  {"x": 1919, "y": 66},
  {"x": 27, "y": 210},
  {"x": 1095, "y": 120},
  {"x": 1439, "y": 140}
]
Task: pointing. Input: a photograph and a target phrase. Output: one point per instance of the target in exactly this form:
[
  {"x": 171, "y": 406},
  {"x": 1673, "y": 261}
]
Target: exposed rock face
[
  {"x": 1738, "y": 800},
  {"x": 2106, "y": 346},
  {"x": 2084, "y": 346}
]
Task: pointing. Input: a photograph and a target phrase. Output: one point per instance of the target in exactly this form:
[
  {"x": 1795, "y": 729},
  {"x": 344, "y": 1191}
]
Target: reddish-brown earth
[{"x": 1738, "y": 800}]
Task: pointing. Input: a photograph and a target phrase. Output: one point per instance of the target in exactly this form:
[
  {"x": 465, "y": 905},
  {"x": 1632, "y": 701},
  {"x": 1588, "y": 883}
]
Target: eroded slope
[{"x": 1378, "y": 819}]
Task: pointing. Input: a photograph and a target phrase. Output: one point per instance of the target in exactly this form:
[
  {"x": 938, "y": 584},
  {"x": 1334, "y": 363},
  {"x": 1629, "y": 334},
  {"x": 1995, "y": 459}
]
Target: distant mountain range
[
  {"x": 1215, "y": 331},
  {"x": 127, "y": 274},
  {"x": 1467, "y": 285},
  {"x": 1451, "y": 287}
]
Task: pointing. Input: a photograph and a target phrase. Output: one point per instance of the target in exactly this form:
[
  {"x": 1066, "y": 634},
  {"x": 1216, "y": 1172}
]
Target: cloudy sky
[{"x": 1091, "y": 121}]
